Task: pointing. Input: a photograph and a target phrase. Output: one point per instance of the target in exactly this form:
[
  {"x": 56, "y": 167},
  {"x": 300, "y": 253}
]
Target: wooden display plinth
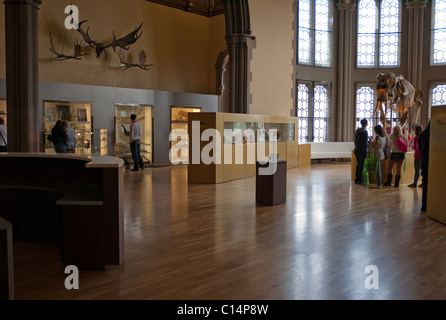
[
  {"x": 407, "y": 170},
  {"x": 437, "y": 172},
  {"x": 271, "y": 189}
]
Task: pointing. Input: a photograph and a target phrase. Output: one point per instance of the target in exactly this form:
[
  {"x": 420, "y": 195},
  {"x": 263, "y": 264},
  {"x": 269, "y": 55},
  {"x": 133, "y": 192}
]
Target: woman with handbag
[
  {"x": 378, "y": 145},
  {"x": 398, "y": 148}
]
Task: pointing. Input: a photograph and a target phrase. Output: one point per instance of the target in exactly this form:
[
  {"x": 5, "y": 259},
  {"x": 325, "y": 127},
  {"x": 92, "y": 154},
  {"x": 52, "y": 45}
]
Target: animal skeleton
[{"x": 400, "y": 95}]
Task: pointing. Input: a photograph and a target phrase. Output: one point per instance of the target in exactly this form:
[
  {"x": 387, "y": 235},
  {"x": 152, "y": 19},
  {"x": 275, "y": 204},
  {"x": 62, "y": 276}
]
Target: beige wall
[
  {"x": 272, "y": 58},
  {"x": 177, "y": 42}
]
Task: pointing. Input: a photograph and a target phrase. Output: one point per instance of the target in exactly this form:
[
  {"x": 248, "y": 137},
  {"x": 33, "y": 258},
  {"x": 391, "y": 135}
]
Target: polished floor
[{"x": 212, "y": 242}]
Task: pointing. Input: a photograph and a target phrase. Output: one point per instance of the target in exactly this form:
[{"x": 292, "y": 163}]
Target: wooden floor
[{"x": 212, "y": 242}]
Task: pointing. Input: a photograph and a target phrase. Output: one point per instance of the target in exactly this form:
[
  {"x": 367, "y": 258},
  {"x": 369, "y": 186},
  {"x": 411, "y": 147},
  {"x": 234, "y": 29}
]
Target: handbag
[
  {"x": 365, "y": 172},
  {"x": 402, "y": 145},
  {"x": 372, "y": 162}
]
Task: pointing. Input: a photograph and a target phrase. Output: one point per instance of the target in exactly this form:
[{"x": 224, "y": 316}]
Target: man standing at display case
[{"x": 135, "y": 143}]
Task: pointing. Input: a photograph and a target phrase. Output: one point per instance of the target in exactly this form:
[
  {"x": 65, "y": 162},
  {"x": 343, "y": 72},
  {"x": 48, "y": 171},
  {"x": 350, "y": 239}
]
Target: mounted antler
[
  {"x": 142, "y": 61},
  {"x": 79, "y": 50},
  {"x": 124, "y": 42}
]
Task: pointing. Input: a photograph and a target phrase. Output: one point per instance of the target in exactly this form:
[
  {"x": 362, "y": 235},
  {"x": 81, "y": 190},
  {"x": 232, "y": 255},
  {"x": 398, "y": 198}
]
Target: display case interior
[
  {"x": 252, "y": 132},
  {"x": 3, "y": 111},
  {"x": 122, "y": 131},
  {"x": 79, "y": 117},
  {"x": 179, "y": 126}
]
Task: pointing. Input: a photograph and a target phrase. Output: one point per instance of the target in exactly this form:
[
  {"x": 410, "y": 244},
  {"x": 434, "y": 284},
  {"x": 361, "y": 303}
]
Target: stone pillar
[
  {"x": 238, "y": 35},
  {"x": 415, "y": 42},
  {"x": 22, "y": 77},
  {"x": 345, "y": 112}
]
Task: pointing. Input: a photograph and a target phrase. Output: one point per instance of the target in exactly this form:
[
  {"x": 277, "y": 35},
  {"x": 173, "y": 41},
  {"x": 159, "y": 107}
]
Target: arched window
[
  {"x": 365, "y": 104},
  {"x": 315, "y": 24},
  {"x": 439, "y": 95},
  {"x": 313, "y": 111},
  {"x": 378, "y": 39},
  {"x": 438, "y": 55}
]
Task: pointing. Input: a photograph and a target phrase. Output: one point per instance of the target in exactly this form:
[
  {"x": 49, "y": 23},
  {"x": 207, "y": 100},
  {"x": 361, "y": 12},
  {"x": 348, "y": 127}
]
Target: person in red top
[{"x": 417, "y": 157}]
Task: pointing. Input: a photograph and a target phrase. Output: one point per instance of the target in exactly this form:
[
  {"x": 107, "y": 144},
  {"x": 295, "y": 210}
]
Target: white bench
[{"x": 331, "y": 150}]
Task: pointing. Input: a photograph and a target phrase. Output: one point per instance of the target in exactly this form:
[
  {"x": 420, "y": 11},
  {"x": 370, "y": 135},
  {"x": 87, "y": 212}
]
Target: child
[{"x": 417, "y": 157}]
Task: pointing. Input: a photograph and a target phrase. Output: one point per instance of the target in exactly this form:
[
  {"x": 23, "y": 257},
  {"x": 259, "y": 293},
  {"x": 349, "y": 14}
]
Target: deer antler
[
  {"x": 78, "y": 51},
  {"x": 124, "y": 42},
  {"x": 142, "y": 61}
]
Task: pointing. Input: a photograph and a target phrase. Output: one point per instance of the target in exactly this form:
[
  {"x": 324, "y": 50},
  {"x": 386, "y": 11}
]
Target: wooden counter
[
  {"x": 6, "y": 261},
  {"x": 75, "y": 201}
]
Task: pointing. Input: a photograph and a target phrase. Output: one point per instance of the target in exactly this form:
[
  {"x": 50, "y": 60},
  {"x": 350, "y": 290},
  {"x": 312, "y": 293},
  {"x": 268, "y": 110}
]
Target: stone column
[
  {"x": 344, "y": 114},
  {"x": 415, "y": 42},
  {"x": 22, "y": 76},
  {"x": 238, "y": 35}
]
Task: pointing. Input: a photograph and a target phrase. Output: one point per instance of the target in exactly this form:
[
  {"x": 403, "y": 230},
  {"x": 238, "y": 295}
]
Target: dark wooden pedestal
[
  {"x": 6, "y": 261},
  {"x": 271, "y": 188}
]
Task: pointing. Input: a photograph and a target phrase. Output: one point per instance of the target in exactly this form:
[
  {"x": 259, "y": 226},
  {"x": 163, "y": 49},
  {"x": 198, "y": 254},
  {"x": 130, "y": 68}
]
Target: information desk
[{"x": 72, "y": 200}]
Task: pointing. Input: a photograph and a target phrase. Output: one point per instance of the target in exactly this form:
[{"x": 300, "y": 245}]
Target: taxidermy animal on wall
[{"x": 401, "y": 96}]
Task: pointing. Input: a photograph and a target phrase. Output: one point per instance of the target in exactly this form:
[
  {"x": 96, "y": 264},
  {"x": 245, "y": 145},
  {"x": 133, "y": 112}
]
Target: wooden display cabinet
[
  {"x": 437, "y": 173},
  {"x": 250, "y": 132}
]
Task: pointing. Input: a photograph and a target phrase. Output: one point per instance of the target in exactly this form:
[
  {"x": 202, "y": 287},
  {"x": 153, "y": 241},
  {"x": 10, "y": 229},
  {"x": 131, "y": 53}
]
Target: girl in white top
[{"x": 397, "y": 156}]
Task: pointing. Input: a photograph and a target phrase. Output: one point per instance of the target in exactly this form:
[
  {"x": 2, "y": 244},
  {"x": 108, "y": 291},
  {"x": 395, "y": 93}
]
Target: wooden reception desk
[{"x": 75, "y": 201}]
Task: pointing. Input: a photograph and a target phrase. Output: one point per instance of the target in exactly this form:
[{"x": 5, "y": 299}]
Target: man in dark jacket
[
  {"x": 59, "y": 138},
  {"x": 423, "y": 145},
  {"x": 361, "y": 149}
]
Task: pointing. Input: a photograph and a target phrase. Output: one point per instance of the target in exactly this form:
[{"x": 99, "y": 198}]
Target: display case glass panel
[
  {"x": 122, "y": 132},
  {"x": 79, "y": 117},
  {"x": 3, "y": 111},
  {"x": 179, "y": 126},
  {"x": 252, "y": 132}
]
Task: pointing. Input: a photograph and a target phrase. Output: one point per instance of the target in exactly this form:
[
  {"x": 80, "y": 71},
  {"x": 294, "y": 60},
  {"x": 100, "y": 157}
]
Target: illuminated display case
[
  {"x": 78, "y": 116},
  {"x": 243, "y": 147},
  {"x": 122, "y": 132},
  {"x": 3, "y": 112},
  {"x": 179, "y": 128}
]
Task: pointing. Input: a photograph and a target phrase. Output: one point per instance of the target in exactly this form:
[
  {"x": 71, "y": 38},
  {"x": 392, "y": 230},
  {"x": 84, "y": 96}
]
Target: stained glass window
[
  {"x": 439, "y": 32},
  {"x": 378, "y": 40},
  {"x": 313, "y": 112},
  {"x": 314, "y": 32}
]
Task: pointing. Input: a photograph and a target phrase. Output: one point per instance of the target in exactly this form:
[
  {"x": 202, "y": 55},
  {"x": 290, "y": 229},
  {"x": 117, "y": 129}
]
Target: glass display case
[
  {"x": 3, "y": 112},
  {"x": 122, "y": 132},
  {"x": 100, "y": 138},
  {"x": 179, "y": 126},
  {"x": 252, "y": 132},
  {"x": 78, "y": 116}
]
